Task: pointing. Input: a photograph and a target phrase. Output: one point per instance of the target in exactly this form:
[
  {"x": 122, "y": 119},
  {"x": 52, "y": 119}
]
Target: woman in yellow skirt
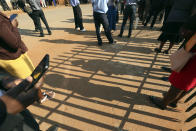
[{"x": 13, "y": 56}]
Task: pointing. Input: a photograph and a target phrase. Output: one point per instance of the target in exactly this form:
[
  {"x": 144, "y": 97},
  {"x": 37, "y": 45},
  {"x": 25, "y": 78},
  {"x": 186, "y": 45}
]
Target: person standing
[
  {"x": 26, "y": 8},
  {"x": 112, "y": 14},
  {"x": 100, "y": 9},
  {"x": 180, "y": 12},
  {"x": 156, "y": 7},
  {"x": 4, "y": 5},
  {"x": 122, "y": 6},
  {"x": 77, "y": 15},
  {"x": 129, "y": 12},
  {"x": 37, "y": 14}
]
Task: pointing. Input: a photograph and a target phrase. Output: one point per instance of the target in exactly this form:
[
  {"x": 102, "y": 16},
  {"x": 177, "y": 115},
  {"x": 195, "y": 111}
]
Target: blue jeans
[{"x": 112, "y": 15}]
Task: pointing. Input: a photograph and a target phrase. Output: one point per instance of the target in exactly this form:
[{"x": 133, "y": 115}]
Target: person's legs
[
  {"x": 132, "y": 18},
  {"x": 38, "y": 22},
  {"x": 34, "y": 21},
  {"x": 172, "y": 95},
  {"x": 75, "y": 17},
  {"x": 148, "y": 17},
  {"x": 158, "y": 50},
  {"x": 97, "y": 26},
  {"x": 125, "y": 17},
  {"x": 105, "y": 23},
  {"x": 155, "y": 14},
  {"x": 79, "y": 17},
  {"x": 171, "y": 44},
  {"x": 45, "y": 21},
  {"x": 122, "y": 8}
]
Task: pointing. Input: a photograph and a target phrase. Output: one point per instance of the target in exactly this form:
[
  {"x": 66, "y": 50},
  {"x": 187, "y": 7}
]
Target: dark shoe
[
  {"x": 120, "y": 35},
  {"x": 129, "y": 36},
  {"x": 174, "y": 105},
  {"x": 36, "y": 30},
  {"x": 166, "y": 69},
  {"x": 165, "y": 78},
  {"x": 100, "y": 43},
  {"x": 166, "y": 52},
  {"x": 53, "y": 128},
  {"x": 41, "y": 35},
  {"x": 49, "y": 33},
  {"x": 157, "y": 50},
  {"x": 113, "y": 42},
  {"x": 156, "y": 102}
]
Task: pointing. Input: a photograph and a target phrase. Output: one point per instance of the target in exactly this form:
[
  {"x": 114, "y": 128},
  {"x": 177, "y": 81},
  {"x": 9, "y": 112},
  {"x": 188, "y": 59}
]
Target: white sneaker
[
  {"x": 78, "y": 28},
  {"x": 83, "y": 30}
]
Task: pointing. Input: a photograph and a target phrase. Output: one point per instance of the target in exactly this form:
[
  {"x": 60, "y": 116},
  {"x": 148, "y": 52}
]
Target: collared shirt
[
  {"x": 35, "y": 4},
  {"x": 74, "y": 2},
  {"x": 131, "y": 2},
  {"x": 100, "y": 6}
]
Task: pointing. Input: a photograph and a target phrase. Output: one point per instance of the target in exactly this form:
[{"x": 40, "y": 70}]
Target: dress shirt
[
  {"x": 100, "y": 6},
  {"x": 74, "y": 2},
  {"x": 131, "y": 2}
]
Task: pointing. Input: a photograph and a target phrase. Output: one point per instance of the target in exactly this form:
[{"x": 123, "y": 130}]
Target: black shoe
[
  {"x": 100, "y": 43},
  {"x": 41, "y": 35},
  {"x": 113, "y": 42},
  {"x": 157, "y": 50},
  {"x": 156, "y": 102},
  {"x": 166, "y": 69},
  {"x": 129, "y": 36},
  {"x": 120, "y": 35},
  {"x": 166, "y": 52},
  {"x": 165, "y": 78},
  {"x": 49, "y": 33},
  {"x": 53, "y": 128}
]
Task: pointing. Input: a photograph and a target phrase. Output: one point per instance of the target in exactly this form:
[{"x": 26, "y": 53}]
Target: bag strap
[{"x": 191, "y": 42}]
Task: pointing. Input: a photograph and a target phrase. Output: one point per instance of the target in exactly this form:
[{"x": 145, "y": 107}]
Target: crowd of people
[{"x": 179, "y": 26}]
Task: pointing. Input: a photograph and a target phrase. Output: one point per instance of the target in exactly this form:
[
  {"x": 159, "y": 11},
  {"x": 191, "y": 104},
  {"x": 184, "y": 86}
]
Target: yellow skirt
[{"x": 21, "y": 67}]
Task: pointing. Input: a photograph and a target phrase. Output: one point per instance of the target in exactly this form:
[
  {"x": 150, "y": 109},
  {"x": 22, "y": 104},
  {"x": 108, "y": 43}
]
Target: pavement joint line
[{"x": 138, "y": 92}]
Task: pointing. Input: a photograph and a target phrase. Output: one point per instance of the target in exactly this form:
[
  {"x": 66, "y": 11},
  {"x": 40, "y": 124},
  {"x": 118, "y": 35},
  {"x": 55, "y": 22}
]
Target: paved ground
[{"x": 100, "y": 88}]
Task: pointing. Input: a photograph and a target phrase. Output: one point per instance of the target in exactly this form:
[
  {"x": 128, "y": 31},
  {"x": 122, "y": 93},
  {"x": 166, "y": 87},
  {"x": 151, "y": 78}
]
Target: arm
[
  {"x": 192, "y": 42},
  {"x": 11, "y": 37}
]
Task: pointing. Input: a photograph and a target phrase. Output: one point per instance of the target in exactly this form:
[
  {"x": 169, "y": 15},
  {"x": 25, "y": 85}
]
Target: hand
[
  {"x": 16, "y": 99},
  {"x": 15, "y": 23}
]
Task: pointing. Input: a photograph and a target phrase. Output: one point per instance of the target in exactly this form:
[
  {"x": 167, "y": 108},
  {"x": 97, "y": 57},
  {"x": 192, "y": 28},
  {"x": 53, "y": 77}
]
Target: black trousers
[
  {"x": 78, "y": 17},
  {"x": 34, "y": 21},
  {"x": 37, "y": 14},
  {"x": 152, "y": 13},
  {"x": 101, "y": 18},
  {"x": 122, "y": 7},
  {"x": 4, "y": 5},
  {"x": 129, "y": 12}
]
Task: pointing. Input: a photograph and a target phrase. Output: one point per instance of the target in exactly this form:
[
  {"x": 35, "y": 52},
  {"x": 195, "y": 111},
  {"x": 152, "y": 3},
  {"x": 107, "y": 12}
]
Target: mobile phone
[
  {"x": 39, "y": 71},
  {"x": 13, "y": 16}
]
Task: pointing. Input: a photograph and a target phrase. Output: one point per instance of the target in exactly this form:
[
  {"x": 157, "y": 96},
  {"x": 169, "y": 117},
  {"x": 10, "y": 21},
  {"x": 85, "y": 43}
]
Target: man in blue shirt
[
  {"x": 100, "y": 9},
  {"x": 77, "y": 15},
  {"x": 129, "y": 12}
]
